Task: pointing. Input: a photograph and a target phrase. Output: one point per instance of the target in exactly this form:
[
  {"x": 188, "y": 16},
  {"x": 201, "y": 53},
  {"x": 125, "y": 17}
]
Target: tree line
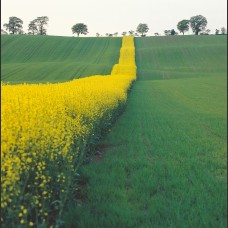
[
  {"x": 38, "y": 27},
  {"x": 35, "y": 27}
]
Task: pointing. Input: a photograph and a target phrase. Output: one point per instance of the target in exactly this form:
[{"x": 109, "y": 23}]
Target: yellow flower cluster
[{"x": 46, "y": 129}]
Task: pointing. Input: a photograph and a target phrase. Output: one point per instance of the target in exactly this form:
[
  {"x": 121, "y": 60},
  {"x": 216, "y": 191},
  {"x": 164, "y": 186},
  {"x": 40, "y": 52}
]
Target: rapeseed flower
[{"x": 47, "y": 128}]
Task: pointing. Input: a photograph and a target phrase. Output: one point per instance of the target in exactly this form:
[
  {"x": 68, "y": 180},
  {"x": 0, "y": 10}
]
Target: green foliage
[
  {"x": 34, "y": 59},
  {"x": 183, "y": 26},
  {"x": 80, "y": 28},
  {"x": 142, "y": 29},
  {"x": 198, "y": 23},
  {"x": 14, "y": 26}
]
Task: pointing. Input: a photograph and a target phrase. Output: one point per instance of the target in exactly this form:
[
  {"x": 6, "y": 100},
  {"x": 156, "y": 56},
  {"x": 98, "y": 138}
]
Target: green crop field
[
  {"x": 181, "y": 57},
  {"x": 40, "y": 59},
  {"x": 164, "y": 162}
]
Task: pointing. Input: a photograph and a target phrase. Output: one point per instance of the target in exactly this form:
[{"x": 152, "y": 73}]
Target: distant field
[
  {"x": 164, "y": 162},
  {"x": 181, "y": 57},
  {"x": 34, "y": 59}
]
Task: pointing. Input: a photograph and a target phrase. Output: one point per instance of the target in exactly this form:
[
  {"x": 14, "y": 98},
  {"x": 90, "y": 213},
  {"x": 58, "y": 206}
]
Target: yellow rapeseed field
[{"x": 46, "y": 129}]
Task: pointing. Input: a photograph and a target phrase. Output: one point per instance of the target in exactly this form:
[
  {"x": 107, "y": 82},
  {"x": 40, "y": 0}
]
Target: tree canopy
[
  {"x": 32, "y": 28},
  {"x": 40, "y": 23},
  {"x": 80, "y": 28},
  {"x": 142, "y": 29},
  {"x": 172, "y": 32},
  {"x": 198, "y": 23},
  {"x": 14, "y": 26},
  {"x": 36, "y": 27},
  {"x": 183, "y": 26},
  {"x": 223, "y": 30}
]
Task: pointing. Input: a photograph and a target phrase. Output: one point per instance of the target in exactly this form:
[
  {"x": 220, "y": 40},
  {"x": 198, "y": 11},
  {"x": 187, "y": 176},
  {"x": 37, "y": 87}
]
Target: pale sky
[{"x": 110, "y": 16}]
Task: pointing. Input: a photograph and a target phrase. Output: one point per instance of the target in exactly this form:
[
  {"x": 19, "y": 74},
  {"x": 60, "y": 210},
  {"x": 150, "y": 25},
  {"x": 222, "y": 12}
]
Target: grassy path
[{"x": 164, "y": 162}]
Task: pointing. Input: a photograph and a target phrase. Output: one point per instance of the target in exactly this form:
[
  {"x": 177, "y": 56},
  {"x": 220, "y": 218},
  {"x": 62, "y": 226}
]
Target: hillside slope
[
  {"x": 180, "y": 56},
  {"x": 35, "y": 59}
]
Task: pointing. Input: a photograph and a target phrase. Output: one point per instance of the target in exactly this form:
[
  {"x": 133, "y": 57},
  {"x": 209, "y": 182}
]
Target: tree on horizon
[
  {"x": 32, "y": 28},
  {"x": 183, "y": 26},
  {"x": 80, "y": 28},
  {"x": 198, "y": 23},
  {"x": 142, "y": 29},
  {"x": 41, "y": 22},
  {"x": 14, "y": 25},
  {"x": 223, "y": 30}
]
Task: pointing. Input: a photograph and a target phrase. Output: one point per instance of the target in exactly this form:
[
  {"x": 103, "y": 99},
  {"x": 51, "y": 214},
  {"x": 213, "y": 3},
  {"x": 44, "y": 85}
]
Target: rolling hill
[
  {"x": 40, "y": 59},
  {"x": 180, "y": 56},
  {"x": 163, "y": 163}
]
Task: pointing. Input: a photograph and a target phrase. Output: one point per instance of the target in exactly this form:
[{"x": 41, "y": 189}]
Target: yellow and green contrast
[{"x": 46, "y": 130}]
